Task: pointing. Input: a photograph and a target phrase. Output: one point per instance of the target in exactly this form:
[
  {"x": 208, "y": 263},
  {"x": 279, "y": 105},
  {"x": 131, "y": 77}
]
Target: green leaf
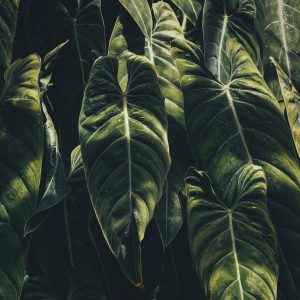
[
  {"x": 282, "y": 34},
  {"x": 55, "y": 189},
  {"x": 64, "y": 243},
  {"x": 292, "y": 103},
  {"x": 127, "y": 36},
  {"x": 123, "y": 133},
  {"x": 8, "y": 17},
  {"x": 36, "y": 288},
  {"x": 232, "y": 239},
  {"x": 191, "y": 8},
  {"x": 84, "y": 30},
  {"x": 21, "y": 144},
  {"x": 225, "y": 20},
  {"x": 140, "y": 12},
  {"x": 238, "y": 123}
]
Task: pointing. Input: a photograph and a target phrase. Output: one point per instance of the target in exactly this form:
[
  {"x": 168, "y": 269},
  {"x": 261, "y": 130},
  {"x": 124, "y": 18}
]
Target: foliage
[{"x": 149, "y": 149}]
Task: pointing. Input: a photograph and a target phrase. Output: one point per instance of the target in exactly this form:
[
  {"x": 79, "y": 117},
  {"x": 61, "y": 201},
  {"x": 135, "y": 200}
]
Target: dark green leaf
[
  {"x": 224, "y": 19},
  {"x": 123, "y": 133},
  {"x": 8, "y": 17},
  {"x": 84, "y": 30},
  {"x": 21, "y": 144},
  {"x": 64, "y": 244},
  {"x": 232, "y": 239},
  {"x": 55, "y": 189},
  {"x": 282, "y": 34},
  {"x": 191, "y": 8},
  {"x": 292, "y": 104}
]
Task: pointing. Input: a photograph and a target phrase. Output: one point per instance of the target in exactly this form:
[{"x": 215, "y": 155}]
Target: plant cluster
[{"x": 162, "y": 134}]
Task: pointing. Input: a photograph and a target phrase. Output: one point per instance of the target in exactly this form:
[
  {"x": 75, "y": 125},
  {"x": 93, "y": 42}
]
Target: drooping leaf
[
  {"x": 55, "y": 180},
  {"x": 21, "y": 144},
  {"x": 292, "y": 104},
  {"x": 127, "y": 36},
  {"x": 282, "y": 34},
  {"x": 84, "y": 30},
  {"x": 64, "y": 246},
  {"x": 125, "y": 152},
  {"x": 233, "y": 124},
  {"x": 232, "y": 239},
  {"x": 191, "y": 8},
  {"x": 224, "y": 19},
  {"x": 8, "y": 16}
]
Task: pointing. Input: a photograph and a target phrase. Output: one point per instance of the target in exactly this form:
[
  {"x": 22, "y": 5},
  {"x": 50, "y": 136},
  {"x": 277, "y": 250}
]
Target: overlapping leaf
[
  {"x": 64, "y": 244},
  {"x": 84, "y": 29},
  {"x": 21, "y": 144},
  {"x": 282, "y": 34},
  {"x": 127, "y": 36},
  {"x": 240, "y": 122},
  {"x": 224, "y": 19},
  {"x": 232, "y": 239},
  {"x": 191, "y": 8},
  {"x": 55, "y": 179},
  {"x": 125, "y": 152},
  {"x": 292, "y": 104}
]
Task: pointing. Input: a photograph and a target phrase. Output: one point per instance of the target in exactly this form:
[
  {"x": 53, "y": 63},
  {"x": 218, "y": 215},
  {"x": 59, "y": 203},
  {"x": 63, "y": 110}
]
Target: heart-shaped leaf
[
  {"x": 232, "y": 239},
  {"x": 123, "y": 133}
]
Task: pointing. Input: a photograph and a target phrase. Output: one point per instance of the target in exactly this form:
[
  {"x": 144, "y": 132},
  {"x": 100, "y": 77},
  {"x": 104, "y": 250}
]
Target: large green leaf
[
  {"x": 21, "y": 144},
  {"x": 292, "y": 104},
  {"x": 224, "y": 19},
  {"x": 282, "y": 33},
  {"x": 123, "y": 133},
  {"x": 232, "y": 239},
  {"x": 237, "y": 123},
  {"x": 84, "y": 29},
  {"x": 191, "y": 8},
  {"x": 127, "y": 36},
  {"x": 8, "y": 16},
  {"x": 64, "y": 243}
]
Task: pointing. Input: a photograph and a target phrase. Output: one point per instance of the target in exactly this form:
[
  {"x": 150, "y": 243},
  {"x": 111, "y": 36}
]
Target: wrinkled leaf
[
  {"x": 64, "y": 246},
  {"x": 237, "y": 123},
  {"x": 292, "y": 104},
  {"x": 232, "y": 239},
  {"x": 125, "y": 152},
  {"x": 21, "y": 144}
]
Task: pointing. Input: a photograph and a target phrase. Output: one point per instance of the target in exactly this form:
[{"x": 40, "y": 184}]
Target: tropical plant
[{"x": 149, "y": 149}]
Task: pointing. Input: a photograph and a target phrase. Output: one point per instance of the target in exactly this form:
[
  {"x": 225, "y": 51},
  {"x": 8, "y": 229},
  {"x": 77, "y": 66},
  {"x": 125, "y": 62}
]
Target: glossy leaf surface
[
  {"x": 21, "y": 144},
  {"x": 126, "y": 36},
  {"x": 123, "y": 133},
  {"x": 238, "y": 123},
  {"x": 232, "y": 239}
]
